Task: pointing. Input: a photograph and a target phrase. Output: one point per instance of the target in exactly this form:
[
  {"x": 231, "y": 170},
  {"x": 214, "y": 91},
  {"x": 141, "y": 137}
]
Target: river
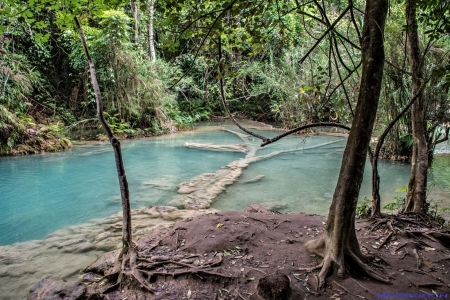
[{"x": 47, "y": 198}]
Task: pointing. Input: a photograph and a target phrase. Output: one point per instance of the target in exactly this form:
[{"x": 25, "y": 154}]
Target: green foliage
[
  {"x": 399, "y": 202},
  {"x": 364, "y": 208},
  {"x": 132, "y": 88},
  {"x": 12, "y": 131},
  {"x": 435, "y": 210}
]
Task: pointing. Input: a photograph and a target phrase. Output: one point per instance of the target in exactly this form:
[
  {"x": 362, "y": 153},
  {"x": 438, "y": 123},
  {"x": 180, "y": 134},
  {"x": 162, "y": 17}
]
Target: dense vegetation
[{"x": 45, "y": 80}]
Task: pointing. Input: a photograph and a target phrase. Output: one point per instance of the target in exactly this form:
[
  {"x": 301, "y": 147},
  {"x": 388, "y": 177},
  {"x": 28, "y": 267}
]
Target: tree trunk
[
  {"x": 134, "y": 10},
  {"x": 151, "y": 39},
  {"x": 376, "y": 210},
  {"x": 416, "y": 194},
  {"x": 123, "y": 183},
  {"x": 339, "y": 244}
]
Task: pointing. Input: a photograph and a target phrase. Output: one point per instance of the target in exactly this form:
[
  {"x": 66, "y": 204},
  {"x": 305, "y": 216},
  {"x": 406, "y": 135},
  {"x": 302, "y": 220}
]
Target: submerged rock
[
  {"x": 55, "y": 289},
  {"x": 67, "y": 251},
  {"x": 233, "y": 147},
  {"x": 274, "y": 205},
  {"x": 255, "y": 179}
]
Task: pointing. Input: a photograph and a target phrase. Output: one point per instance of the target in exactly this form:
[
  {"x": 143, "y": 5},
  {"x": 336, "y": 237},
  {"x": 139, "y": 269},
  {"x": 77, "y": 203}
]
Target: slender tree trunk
[
  {"x": 151, "y": 39},
  {"x": 134, "y": 10},
  {"x": 376, "y": 209},
  {"x": 123, "y": 183},
  {"x": 416, "y": 195},
  {"x": 339, "y": 242}
]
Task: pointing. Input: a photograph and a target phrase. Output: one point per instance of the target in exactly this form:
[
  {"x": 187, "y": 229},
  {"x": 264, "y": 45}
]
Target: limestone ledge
[{"x": 67, "y": 251}]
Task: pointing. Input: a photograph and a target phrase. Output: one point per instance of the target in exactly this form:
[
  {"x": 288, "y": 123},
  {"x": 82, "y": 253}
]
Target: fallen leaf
[
  {"x": 219, "y": 225},
  {"x": 189, "y": 294}
]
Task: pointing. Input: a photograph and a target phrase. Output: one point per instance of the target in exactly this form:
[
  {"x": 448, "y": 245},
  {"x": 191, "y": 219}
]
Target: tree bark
[
  {"x": 134, "y": 11},
  {"x": 123, "y": 183},
  {"x": 151, "y": 39},
  {"x": 339, "y": 244},
  {"x": 416, "y": 194},
  {"x": 376, "y": 209}
]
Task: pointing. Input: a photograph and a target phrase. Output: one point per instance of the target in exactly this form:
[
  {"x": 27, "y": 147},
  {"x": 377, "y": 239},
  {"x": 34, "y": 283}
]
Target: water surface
[{"x": 44, "y": 193}]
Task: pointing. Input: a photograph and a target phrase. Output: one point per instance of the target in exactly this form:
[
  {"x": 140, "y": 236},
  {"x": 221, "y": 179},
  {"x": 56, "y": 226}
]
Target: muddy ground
[{"x": 258, "y": 254}]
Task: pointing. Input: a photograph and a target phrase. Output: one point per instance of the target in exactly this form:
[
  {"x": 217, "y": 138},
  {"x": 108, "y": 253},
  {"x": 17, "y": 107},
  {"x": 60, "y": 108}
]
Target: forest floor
[{"x": 258, "y": 254}]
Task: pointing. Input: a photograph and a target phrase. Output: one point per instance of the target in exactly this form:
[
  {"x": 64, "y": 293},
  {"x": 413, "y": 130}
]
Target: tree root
[
  {"x": 369, "y": 272},
  {"x": 319, "y": 247},
  {"x": 142, "y": 269},
  {"x": 309, "y": 270},
  {"x": 418, "y": 260},
  {"x": 386, "y": 240}
]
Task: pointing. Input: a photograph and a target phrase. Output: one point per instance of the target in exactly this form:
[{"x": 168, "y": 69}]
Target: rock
[
  {"x": 233, "y": 148},
  {"x": 274, "y": 287},
  {"x": 255, "y": 179},
  {"x": 274, "y": 205},
  {"x": 103, "y": 263},
  {"x": 32, "y": 132},
  {"x": 256, "y": 208},
  {"x": 55, "y": 289}
]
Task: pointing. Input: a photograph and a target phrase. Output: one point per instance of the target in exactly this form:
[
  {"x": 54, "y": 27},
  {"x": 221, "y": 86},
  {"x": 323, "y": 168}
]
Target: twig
[
  {"x": 248, "y": 217},
  {"x": 237, "y": 292},
  {"x": 385, "y": 241},
  {"x": 261, "y": 271},
  {"x": 342, "y": 287},
  {"x": 187, "y": 246},
  {"x": 365, "y": 289},
  {"x": 193, "y": 271},
  {"x": 280, "y": 224}
]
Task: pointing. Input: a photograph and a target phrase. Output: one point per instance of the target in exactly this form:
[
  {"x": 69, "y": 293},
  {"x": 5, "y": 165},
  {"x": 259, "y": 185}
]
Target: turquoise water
[
  {"x": 42, "y": 193},
  {"x": 305, "y": 180}
]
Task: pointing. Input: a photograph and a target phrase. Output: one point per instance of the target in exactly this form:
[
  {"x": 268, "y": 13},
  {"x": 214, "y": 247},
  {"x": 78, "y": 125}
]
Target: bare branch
[
  {"x": 340, "y": 78},
  {"x": 325, "y": 33},
  {"x": 319, "y": 124}
]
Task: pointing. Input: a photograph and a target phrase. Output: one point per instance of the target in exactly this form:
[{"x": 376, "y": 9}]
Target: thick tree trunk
[
  {"x": 151, "y": 39},
  {"x": 339, "y": 242},
  {"x": 416, "y": 195},
  {"x": 123, "y": 183}
]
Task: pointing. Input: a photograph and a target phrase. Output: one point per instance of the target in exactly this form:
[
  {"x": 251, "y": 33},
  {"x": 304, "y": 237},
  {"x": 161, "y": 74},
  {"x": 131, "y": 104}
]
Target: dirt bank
[{"x": 259, "y": 254}]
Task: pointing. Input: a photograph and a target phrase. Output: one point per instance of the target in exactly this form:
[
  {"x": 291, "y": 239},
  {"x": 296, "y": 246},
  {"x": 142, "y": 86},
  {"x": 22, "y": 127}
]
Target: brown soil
[{"x": 258, "y": 254}]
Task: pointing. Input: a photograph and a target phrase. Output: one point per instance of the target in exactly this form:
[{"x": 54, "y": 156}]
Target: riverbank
[
  {"x": 260, "y": 255},
  {"x": 51, "y": 136},
  {"x": 67, "y": 251}
]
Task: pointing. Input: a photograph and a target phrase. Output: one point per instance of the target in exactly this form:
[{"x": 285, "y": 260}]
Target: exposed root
[
  {"x": 309, "y": 270},
  {"x": 141, "y": 265},
  {"x": 368, "y": 271},
  {"x": 386, "y": 240},
  {"x": 319, "y": 247},
  {"x": 418, "y": 260}
]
